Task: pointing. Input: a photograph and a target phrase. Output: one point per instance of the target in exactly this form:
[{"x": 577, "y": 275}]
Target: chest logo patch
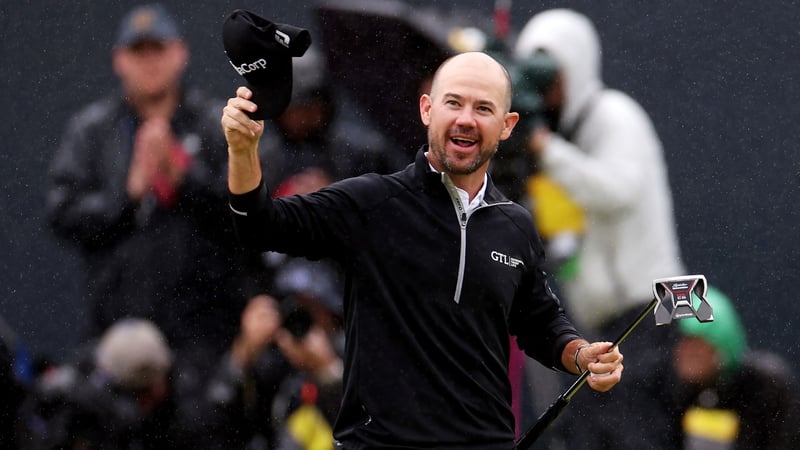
[{"x": 505, "y": 259}]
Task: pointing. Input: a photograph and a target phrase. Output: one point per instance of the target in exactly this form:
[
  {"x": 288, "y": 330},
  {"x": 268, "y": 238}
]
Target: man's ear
[
  {"x": 425, "y": 109},
  {"x": 509, "y": 123}
]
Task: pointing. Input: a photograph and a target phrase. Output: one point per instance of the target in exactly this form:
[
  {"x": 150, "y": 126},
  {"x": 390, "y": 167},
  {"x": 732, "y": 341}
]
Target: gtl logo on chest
[{"x": 505, "y": 259}]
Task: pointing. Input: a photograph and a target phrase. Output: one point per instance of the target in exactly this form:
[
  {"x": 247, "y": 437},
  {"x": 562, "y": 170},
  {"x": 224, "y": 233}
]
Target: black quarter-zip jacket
[{"x": 431, "y": 297}]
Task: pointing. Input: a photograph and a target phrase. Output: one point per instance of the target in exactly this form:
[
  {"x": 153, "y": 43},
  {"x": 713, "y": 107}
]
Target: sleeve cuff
[
  {"x": 249, "y": 202},
  {"x": 561, "y": 344}
]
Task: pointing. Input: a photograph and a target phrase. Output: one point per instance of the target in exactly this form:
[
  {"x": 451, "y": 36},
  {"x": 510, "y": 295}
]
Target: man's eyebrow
[{"x": 455, "y": 96}]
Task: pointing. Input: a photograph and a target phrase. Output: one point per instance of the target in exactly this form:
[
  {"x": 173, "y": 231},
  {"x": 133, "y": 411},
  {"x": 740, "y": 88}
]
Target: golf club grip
[
  {"x": 555, "y": 409},
  {"x": 542, "y": 423}
]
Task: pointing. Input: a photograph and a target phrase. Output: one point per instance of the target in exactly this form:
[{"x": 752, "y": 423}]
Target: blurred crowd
[
  {"x": 195, "y": 342},
  {"x": 192, "y": 340}
]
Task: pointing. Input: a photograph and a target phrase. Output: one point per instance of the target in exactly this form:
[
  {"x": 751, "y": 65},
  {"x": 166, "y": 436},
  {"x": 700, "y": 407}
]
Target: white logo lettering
[
  {"x": 251, "y": 67},
  {"x": 505, "y": 259},
  {"x": 282, "y": 38}
]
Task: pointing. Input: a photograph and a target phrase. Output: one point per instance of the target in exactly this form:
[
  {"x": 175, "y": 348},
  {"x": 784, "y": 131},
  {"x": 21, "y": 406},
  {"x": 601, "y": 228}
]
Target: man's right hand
[
  {"x": 242, "y": 135},
  {"x": 241, "y": 132}
]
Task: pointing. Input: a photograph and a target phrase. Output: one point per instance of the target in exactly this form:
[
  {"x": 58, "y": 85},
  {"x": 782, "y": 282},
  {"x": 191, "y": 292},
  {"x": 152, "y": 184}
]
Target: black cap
[
  {"x": 261, "y": 51},
  {"x": 147, "y": 23}
]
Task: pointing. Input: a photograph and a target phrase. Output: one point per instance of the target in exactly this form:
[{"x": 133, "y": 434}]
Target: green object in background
[
  {"x": 726, "y": 333},
  {"x": 531, "y": 78},
  {"x": 568, "y": 269}
]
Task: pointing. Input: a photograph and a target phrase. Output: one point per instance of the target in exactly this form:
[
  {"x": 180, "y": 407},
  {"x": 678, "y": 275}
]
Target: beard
[{"x": 461, "y": 165}]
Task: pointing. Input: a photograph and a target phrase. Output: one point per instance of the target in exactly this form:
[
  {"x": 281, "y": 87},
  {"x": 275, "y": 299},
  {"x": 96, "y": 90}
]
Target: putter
[{"x": 672, "y": 300}]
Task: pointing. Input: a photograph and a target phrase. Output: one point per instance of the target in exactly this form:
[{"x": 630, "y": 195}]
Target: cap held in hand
[{"x": 261, "y": 51}]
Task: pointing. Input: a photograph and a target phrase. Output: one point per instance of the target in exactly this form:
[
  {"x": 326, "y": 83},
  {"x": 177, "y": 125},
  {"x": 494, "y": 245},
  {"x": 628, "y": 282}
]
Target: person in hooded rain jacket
[{"x": 602, "y": 149}]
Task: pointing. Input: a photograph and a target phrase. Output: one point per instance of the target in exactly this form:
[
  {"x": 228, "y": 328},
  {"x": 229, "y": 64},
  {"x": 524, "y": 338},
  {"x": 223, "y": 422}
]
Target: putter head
[{"x": 680, "y": 298}]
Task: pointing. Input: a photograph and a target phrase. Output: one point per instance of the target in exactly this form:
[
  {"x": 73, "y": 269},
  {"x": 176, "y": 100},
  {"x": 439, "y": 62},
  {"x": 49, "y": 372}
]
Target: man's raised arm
[{"x": 242, "y": 135}]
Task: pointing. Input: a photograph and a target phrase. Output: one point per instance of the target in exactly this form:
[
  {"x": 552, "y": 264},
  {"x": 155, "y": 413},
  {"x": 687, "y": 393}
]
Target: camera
[
  {"x": 297, "y": 319},
  {"x": 531, "y": 79}
]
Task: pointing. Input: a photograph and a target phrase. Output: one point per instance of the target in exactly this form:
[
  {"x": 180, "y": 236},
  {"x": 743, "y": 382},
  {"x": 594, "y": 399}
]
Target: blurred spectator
[
  {"x": 279, "y": 387},
  {"x": 729, "y": 396},
  {"x": 308, "y": 401},
  {"x": 123, "y": 392},
  {"x": 314, "y": 137},
  {"x": 138, "y": 183},
  {"x": 605, "y": 153},
  {"x": 315, "y": 286},
  {"x": 602, "y": 149},
  {"x": 244, "y": 385},
  {"x": 312, "y": 339}
]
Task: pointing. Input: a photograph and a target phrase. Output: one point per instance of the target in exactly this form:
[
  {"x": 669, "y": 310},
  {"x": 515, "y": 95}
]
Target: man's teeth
[{"x": 463, "y": 141}]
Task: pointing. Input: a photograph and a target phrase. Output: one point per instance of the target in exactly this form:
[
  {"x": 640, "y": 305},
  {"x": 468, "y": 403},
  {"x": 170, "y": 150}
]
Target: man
[
  {"x": 602, "y": 149},
  {"x": 440, "y": 269},
  {"x": 136, "y": 183}
]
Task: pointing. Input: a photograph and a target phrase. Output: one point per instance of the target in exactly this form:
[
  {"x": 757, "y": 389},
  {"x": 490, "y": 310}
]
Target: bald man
[{"x": 440, "y": 268}]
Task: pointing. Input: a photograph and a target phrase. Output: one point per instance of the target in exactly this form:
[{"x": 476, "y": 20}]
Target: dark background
[{"x": 720, "y": 80}]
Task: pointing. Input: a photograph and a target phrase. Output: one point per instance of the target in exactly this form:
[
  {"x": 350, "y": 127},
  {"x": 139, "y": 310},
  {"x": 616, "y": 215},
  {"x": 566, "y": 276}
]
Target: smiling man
[
  {"x": 440, "y": 269},
  {"x": 467, "y": 117}
]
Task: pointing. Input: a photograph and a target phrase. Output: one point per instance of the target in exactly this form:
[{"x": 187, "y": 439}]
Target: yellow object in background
[
  {"x": 553, "y": 211},
  {"x": 310, "y": 429},
  {"x": 560, "y": 222},
  {"x": 717, "y": 425}
]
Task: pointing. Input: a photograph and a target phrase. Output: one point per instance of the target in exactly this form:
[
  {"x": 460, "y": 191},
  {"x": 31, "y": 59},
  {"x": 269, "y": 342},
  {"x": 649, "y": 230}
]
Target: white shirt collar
[{"x": 469, "y": 206}]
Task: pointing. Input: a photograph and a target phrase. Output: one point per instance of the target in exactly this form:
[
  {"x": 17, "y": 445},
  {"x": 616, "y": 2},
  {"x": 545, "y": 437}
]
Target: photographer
[
  {"x": 602, "y": 149},
  {"x": 123, "y": 392},
  {"x": 281, "y": 375},
  {"x": 308, "y": 401},
  {"x": 245, "y": 381}
]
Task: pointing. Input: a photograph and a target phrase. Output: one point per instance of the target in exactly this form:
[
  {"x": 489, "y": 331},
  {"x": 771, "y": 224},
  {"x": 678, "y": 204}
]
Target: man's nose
[{"x": 466, "y": 117}]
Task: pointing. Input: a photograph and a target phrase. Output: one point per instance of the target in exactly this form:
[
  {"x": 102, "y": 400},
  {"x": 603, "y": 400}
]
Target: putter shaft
[{"x": 561, "y": 402}]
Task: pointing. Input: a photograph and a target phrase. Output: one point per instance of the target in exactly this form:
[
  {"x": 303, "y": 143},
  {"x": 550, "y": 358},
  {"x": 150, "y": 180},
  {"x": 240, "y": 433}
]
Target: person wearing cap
[
  {"x": 727, "y": 394},
  {"x": 138, "y": 184},
  {"x": 440, "y": 268}
]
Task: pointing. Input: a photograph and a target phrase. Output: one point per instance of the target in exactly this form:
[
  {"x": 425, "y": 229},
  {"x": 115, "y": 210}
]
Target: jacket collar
[{"x": 432, "y": 181}]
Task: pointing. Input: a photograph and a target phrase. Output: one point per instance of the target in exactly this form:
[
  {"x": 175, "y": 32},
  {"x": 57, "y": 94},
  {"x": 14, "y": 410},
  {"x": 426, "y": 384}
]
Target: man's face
[
  {"x": 150, "y": 68},
  {"x": 466, "y": 115}
]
